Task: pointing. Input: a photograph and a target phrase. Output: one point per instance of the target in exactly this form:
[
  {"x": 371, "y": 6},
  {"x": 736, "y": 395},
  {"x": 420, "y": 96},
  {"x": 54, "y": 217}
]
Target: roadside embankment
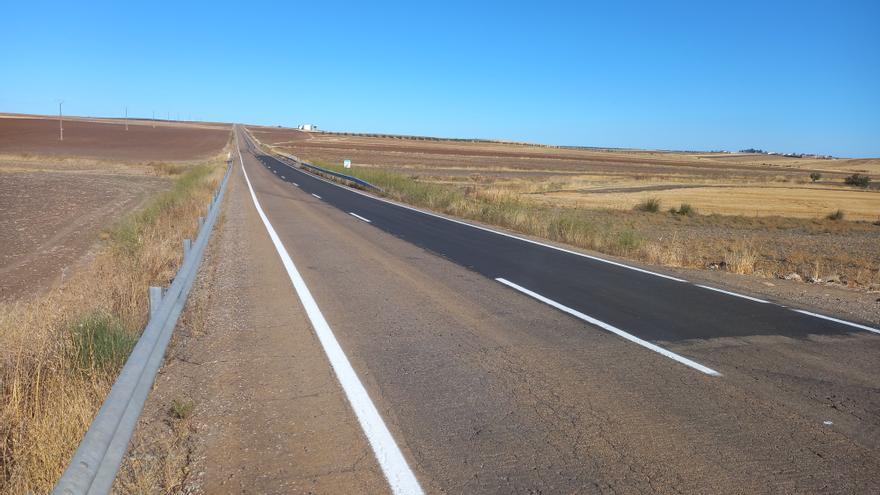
[{"x": 61, "y": 350}]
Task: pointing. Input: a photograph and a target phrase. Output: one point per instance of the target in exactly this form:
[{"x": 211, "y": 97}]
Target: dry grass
[
  {"x": 741, "y": 258},
  {"x": 157, "y": 465},
  {"x": 765, "y": 246},
  {"x": 504, "y": 208},
  {"x": 60, "y": 352},
  {"x": 735, "y": 198}
]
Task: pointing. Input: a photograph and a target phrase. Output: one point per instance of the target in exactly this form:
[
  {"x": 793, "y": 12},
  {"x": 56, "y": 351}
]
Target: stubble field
[{"x": 56, "y": 196}]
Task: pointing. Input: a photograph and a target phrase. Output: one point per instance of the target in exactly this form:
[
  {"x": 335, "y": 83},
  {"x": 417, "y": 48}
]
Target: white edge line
[
  {"x": 359, "y": 217},
  {"x": 295, "y": 184},
  {"x": 601, "y": 324},
  {"x": 750, "y": 298},
  {"x": 844, "y": 322},
  {"x": 530, "y": 241},
  {"x": 397, "y": 472},
  {"x": 315, "y": 195}
]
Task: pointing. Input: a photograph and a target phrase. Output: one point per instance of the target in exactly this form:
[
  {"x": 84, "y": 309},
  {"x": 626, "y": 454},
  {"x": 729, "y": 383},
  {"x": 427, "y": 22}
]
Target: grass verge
[
  {"x": 506, "y": 209},
  {"x": 61, "y": 351},
  {"x": 684, "y": 238}
]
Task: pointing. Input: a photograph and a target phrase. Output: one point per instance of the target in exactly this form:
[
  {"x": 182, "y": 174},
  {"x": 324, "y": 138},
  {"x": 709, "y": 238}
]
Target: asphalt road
[
  {"x": 649, "y": 306},
  {"x": 577, "y": 375}
]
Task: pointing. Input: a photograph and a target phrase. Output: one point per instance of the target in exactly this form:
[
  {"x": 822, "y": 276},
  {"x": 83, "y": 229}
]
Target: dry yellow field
[{"x": 801, "y": 201}]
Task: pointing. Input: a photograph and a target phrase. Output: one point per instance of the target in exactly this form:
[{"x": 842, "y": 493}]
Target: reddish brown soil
[
  {"x": 105, "y": 140},
  {"x": 49, "y": 220}
]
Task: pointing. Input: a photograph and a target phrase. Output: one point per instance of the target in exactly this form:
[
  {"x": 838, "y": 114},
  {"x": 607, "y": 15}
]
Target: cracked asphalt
[{"x": 486, "y": 390}]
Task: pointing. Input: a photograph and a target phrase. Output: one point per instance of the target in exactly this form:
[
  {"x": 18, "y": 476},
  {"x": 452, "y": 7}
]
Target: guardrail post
[
  {"x": 201, "y": 222},
  {"x": 187, "y": 245},
  {"x": 156, "y": 294}
]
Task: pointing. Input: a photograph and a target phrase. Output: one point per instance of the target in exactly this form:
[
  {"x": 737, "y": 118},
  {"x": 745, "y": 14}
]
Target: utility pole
[
  {"x": 126, "y": 117},
  {"x": 154, "y": 119},
  {"x": 60, "y": 123}
]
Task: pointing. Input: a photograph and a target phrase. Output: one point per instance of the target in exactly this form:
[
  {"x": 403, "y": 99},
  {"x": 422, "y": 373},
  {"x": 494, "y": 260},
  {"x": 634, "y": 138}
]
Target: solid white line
[
  {"x": 315, "y": 195},
  {"x": 530, "y": 241},
  {"x": 397, "y": 472},
  {"x": 844, "y": 322},
  {"x": 601, "y": 324},
  {"x": 750, "y": 298},
  {"x": 359, "y": 217}
]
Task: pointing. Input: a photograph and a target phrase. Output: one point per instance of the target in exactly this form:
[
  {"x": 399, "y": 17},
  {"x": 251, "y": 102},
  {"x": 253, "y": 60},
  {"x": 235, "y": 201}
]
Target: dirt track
[{"x": 110, "y": 140}]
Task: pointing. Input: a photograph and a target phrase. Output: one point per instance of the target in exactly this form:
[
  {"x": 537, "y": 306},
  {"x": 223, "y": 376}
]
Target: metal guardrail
[
  {"x": 93, "y": 467},
  {"x": 349, "y": 178},
  {"x": 314, "y": 168}
]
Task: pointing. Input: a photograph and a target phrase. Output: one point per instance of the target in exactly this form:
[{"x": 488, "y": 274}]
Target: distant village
[{"x": 790, "y": 155}]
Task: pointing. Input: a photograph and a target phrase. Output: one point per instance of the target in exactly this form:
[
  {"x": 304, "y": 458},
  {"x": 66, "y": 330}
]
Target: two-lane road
[
  {"x": 503, "y": 365},
  {"x": 650, "y": 305}
]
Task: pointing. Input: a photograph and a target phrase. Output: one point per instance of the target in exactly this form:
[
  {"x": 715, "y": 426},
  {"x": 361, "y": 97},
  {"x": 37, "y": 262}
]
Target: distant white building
[{"x": 308, "y": 127}]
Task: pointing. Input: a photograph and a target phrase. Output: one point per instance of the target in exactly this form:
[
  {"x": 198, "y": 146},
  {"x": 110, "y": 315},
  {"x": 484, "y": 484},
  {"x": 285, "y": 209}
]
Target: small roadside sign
[{"x": 346, "y": 163}]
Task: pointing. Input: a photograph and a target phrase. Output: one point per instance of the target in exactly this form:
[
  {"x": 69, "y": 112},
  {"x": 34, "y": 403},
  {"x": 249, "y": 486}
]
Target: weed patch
[
  {"x": 182, "y": 408},
  {"x": 685, "y": 210},
  {"x": 649, "y": 205},
  {"x": 836, "y": 215},
  {"x": 99, "y": 344}
]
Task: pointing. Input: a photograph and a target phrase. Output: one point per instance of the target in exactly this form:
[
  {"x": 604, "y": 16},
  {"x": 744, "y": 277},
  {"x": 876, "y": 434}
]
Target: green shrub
[
  {"x": 814, "y": 176},
  {"x": 858, "y": 180},
  {"x": 100, "y": 342},
  {"x": 650, "y": 205}
]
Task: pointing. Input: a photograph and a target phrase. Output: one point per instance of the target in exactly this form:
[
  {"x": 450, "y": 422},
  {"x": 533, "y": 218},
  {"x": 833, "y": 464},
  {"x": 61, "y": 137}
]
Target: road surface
[{"x": 498, "y": 365}]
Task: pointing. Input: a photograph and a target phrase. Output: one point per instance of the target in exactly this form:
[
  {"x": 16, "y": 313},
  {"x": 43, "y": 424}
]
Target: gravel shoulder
[{"x": 267, "y": 413}]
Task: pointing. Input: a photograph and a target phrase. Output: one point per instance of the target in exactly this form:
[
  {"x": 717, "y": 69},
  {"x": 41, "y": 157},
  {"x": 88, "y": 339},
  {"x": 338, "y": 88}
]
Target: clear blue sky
[{"x": 786, "y": 76}]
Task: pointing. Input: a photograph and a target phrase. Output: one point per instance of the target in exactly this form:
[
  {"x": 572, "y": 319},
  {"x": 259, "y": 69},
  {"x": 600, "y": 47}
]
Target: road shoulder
[{"x": 246, "y": 401}]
